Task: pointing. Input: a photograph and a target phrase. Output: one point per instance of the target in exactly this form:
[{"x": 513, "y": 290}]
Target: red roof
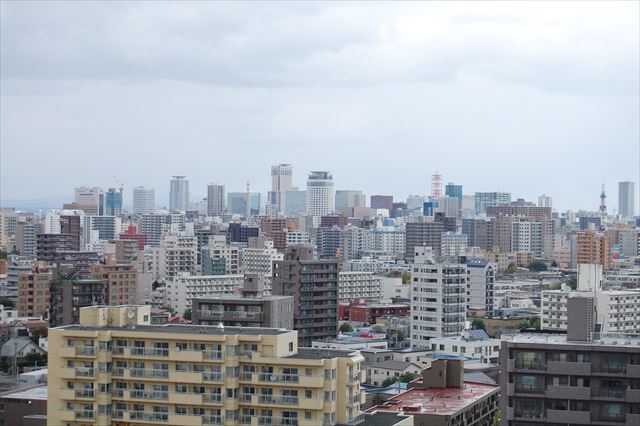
[{"x": 440, "y": 401}]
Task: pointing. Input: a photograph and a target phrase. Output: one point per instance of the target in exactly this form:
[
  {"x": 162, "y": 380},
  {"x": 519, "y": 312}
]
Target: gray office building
[
  {"x": 418, "y": 234},
  {"x": 314, "y": 287},
  {"x": 236, "y": 311},
  {"x": 179, "y": 194},
  {"x": 626, "y": 199}
]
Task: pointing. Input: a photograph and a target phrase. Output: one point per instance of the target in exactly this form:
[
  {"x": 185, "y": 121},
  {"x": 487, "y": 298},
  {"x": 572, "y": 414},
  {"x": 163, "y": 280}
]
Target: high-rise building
[
  {"x": 175, "y": 254},
  {"x": 195, "y": 374},
  {"x": 382, "y": 202},
  {"x": 626, "y": 199},
  {"x": 593, "y": 248},
  {"x": 320, "y": 194},
  {"x": 486, "y": 199},
  {"x": 359, "y": 286},
  {"x": 51, "y": 222},
  {"x": 281, "y": 182},
  {"x": 295, "y": 202},
  {"x": 314, "y": 287},
  {"x": 438, "y": 302},
  {"x": 108, "y": 227},
  {"x": 26, "y": 238},
  {"x": 454, "y": 191},
  {"x": 419, "y": 234},
  {"x": 481, "y": 277},
  {"x": 350, "y": 199},
  {"x": 179, "y": 194},
  {"x": 583, "y": 377},
  {"x": 121, "y": 282},
  {"x": 144, "y": 200},
  {"x": 215, "y": 199},
  {"x": 545, "y": 200},
  {"x": 453, "y": 245},
  {"x": 237, "y": 203},
  {"x": 113, "y": 202},
  {"x": 33, "y": 292},
  {"x": 90, "y": 200},
  {"x": 50, "y": 245},
  {"x": 68, "y": 294},
  {"x": 72, "y": 224}
]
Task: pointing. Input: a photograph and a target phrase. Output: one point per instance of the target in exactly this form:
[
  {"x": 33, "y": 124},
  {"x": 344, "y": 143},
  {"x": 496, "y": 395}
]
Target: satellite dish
[{"x": 131, "y": 314}]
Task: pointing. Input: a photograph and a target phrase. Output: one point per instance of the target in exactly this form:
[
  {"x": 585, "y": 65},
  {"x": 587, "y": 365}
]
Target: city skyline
[{"x": 382, "y": 104}]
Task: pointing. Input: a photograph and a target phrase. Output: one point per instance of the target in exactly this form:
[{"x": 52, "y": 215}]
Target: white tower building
[
  {"x": 320, "y": 194},
  {"x": 144, "y": 200}
]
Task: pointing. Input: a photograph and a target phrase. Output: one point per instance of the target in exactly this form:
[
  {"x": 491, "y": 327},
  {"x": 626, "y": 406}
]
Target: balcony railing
[
  {"x": 85, "y": 372},
  {"x": 353, "y": 399},
  {"x": 522, "y": 388},
  {"x": 85, "y": 393},
  {"x": 154, "y": 417},
  {"x": 212, "y": 398},
  {"x": 149, "y": 352},
  {"x": 278, "y": 378},
  {"x": 213, "y": 377},
  {"x": 142, "y": 394},
  {"x": 357, "y": 419},
  {"x": 609, "y": 393},
  {"x": 117, "y": 372},
  {"x": 246, "y": 397},
  {"x": 85, "y": 414},
  {"x": 141, "y": 372},
  {"x": 85, "y": 351},
  {"x": 117, "y": 350},
  {"x": 532, "y": 365},
  {"x": 530, "y": 414},
  {"x": 117, "y": 414},
  {"x": 213, "y": 354},
  {"x": 281, "y": 400},
  {"x": 353, "y": 378},
  {"x": 246, "y": 375},
  {"x": 211, "y": 420},
  {"x": 118, "y": 393},
  {"x": 277, "y": 421}
]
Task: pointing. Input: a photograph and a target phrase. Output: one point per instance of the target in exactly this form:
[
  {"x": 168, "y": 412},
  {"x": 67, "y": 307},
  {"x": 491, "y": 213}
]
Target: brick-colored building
[
  {"x": 593, "y": 248},
  {"x": 121, "y": 282},
  {"x": 33, "y": 292},
  {"x": 369, "y": 313}
]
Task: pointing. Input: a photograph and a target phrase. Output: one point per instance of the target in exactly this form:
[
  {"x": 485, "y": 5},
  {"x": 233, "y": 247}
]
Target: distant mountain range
[{"x": 35, "y": 204}]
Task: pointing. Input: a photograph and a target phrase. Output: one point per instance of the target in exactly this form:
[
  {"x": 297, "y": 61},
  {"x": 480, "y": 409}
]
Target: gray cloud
[{"x": 529, "y": 97}]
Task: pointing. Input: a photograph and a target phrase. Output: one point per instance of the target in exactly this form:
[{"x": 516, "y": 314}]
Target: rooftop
[
  {"x": 210, "y": 330},
  {"x": 392, "y": 365},
  {"x": 36, "y": 392},
  {"x": 435, "y": 401},
  {"x": 310, "y": 353},
  {"x": 606, "y": 340},
  {"x": 383, "y": 419}
]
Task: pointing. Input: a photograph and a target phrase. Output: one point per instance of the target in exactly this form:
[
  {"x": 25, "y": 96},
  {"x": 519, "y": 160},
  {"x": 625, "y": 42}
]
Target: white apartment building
[
  {"x": 438, "y": 302},
  {"x": 144, "y": 200},
  {"x": 617, "y": 310},
  {"x": 474, "y": 344},
  {"x": 377, "y": 266},
  {"x": 182, "y": 288},
  {"x": 481, "y": 277},
  {"x": 297, "y": 238},
  {"x": 526, "y": 236},
  {"x": 320, "y": 194},
  {"x": 175, "y": 254},
  {"x": 359, "y": 285},
  {"x": 219, "y": 249},
  {"x": 452, "y": 245},
  {"x": 392, "y": 288},
  {"x": 259, "y": 260},
  {"x": 51, "y": 222}
]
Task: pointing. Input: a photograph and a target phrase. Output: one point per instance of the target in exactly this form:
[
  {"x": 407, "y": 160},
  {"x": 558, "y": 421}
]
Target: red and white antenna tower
[
  {"x": 603, "y": 205},
  {"x": 436, "y": 185}
]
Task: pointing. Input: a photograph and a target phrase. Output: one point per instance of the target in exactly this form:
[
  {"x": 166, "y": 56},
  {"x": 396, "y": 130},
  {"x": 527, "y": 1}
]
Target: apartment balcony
[
  {"x": 150, "y": 417},
  {"x": 633, "y": 396},
  {"x": 277, "y": 421},
  {"x": 311, "y": 403},
  {"x": 213, "y": 377},
  {"x": 354, "y": 378},
  {"x": 278, "y": 378},
  {"x": 118, "y": 350},
  {"x": 608, "y": 394},
  {"x": 186, "y": 355},
  {"x": 278, "y": 400},
  {"x": 568, "y": 392},
  {"x": 149, "y": 352},
  {"x": 213, "y": 355},
  {"x": 212, "y": 420},
  {"x": 633, "y": 371},
  {"x": 570, "y": 368},
  {"x": 85, "y": 393},
  {"x": 148, "y": 395},
  {"x": 212, "y": 398},
  {"x": 572, "y": 417},
  {"x": 608, "y": 418},
  {"x": 529, "y": 390},
  {"x": 84, "y": 414},
  {"x": 117, "y": 393},
  {"x": 85, "y": 372},
  {"x": 354, "y": 399},
  {"x": 149, "y": 374},
  {"x": 186, "y": 398},
  {"x": 529, "y": 415},
  {"x": 186, "y": 377},
  {"x": 89, "y": 351}
]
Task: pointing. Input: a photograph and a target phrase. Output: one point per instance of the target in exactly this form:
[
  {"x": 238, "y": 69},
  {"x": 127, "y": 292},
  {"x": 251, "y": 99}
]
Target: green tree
[
  {"x": 407, "y": 377},
  {"x": 478, "y": 324},
  {"x": 535, "y": 323},
  {"x": 573, "y": 282},
  {"x": 187, "y": 314},
  {"x": 395, "y": 334},
  {"x": 496, "y": 418},
  {"x": 406, "y": 278},
  {"x": 538, "y": 266},
  {"x": 346, "y": 328},
  {"x": 512, "y": 268}
]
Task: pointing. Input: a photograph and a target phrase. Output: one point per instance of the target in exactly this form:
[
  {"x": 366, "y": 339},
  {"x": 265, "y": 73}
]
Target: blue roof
[{"x": 478, "y": 334}]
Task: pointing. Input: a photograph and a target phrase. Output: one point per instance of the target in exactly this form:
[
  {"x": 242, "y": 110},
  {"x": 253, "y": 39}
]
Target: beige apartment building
[{"x": 114, "y": 368}]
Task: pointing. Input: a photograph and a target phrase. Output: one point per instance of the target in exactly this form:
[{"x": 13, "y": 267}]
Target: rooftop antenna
[
  {"x": 247, "y": 207},
  {"x": 436, "y": 186},
  {"x": 603, "y": 205}
]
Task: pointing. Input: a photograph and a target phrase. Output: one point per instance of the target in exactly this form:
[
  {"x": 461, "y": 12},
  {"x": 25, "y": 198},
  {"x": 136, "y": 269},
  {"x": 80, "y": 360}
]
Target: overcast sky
[{"x": 531, "y": 98}]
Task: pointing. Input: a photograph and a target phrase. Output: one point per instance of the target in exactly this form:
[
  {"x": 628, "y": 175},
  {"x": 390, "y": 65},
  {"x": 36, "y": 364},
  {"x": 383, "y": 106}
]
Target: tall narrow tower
[
  {"x": 247, "y": 203},
  {"x": 436, "y": 186},
  {"x": 603, "y": 205}
]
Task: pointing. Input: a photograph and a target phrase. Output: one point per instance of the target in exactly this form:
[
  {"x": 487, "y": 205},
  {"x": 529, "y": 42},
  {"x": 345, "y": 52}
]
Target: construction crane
[{"x": 120, "y": 185}]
